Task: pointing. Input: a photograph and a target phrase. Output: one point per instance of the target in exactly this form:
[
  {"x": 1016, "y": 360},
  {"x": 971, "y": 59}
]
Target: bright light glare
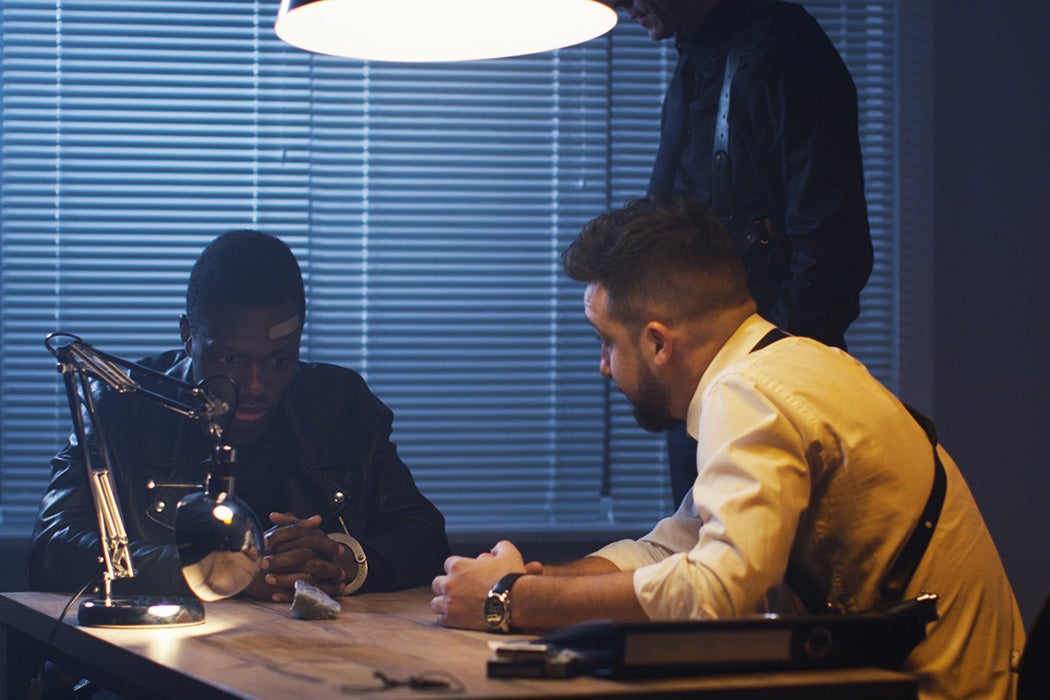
[
  {"x": 163, "y": 611},
  {"x": 223, "y": 513},
  {"x": 432, "y": 30}
]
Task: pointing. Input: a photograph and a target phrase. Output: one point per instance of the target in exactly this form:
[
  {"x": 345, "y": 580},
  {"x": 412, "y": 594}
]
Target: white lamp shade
[{"x": 439, "y": 30}]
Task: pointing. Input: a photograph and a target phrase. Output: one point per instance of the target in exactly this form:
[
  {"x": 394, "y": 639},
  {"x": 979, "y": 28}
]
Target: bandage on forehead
[{"x": 284, "y": 328}]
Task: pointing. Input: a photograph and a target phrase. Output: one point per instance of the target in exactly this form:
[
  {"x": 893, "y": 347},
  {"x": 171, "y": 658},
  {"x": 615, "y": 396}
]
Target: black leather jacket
[{"x": 336, "y": 459}]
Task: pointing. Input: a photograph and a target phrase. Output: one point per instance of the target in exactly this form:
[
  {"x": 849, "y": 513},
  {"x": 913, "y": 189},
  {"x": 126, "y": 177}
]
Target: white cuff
[{"x": 359, "y": 555}]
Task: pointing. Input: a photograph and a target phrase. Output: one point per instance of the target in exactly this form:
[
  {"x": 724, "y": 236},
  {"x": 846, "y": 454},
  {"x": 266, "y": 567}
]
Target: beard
[{"x": 650, "y": 404}]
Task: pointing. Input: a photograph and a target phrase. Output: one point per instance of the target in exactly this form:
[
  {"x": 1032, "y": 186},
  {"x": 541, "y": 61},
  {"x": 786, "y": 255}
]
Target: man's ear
[
  {"x": 184, "y": 331},
  {"x": 658, "y": 344}
]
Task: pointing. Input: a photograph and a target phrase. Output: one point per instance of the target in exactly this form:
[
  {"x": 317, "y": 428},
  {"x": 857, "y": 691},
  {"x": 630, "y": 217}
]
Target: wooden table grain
[{"x": 249, "y": 649}]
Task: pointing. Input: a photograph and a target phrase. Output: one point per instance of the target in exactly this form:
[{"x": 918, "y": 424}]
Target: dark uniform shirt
[
  {"x": 796, "y": 203},
  {"x": 793, "y": 191}
]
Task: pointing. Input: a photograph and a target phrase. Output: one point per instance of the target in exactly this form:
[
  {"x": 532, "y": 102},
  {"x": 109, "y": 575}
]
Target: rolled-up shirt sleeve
[
  {"x": 727, "y": 548},
  {"x": 629, "y": 555}
]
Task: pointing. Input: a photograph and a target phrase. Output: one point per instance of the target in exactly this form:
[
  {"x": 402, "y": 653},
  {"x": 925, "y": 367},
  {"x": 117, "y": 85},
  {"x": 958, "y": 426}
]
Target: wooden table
[{"x": 248, "y": 649}]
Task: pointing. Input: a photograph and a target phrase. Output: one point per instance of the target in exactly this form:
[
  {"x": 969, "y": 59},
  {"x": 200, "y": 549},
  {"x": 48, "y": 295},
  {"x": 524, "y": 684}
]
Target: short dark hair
[
  {"x": 247, "y": 267},
  {"x": 660, "y": 253}
]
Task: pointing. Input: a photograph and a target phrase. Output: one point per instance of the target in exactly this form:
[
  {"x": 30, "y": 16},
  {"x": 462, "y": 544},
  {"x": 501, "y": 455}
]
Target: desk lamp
[
  {"x": 219, "y": 538},
  {"x": 439, "y": 30}
]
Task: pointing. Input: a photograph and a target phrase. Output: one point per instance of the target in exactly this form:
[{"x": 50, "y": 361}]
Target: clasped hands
[
  {"x": 459, "y": 594},
  {"x": 299, "y": 549}
]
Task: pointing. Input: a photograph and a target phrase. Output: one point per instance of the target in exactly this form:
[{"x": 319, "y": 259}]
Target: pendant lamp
[{"x": 439, "y": 30}]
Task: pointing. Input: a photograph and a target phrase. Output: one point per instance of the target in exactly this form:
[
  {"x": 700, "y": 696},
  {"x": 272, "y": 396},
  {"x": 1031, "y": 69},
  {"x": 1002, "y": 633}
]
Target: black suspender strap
[
  {"x": 908, "y": 560},
  {"x": 770, "y": 338}
]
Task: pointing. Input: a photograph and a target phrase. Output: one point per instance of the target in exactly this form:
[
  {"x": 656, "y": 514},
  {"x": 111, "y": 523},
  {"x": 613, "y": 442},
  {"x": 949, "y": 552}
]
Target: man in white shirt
[{"x": 803, "y": 459}]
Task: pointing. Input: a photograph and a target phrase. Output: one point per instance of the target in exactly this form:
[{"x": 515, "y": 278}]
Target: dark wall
[
  {"x": 12, "y": 560},
  {"x": 992, "y": 269}
]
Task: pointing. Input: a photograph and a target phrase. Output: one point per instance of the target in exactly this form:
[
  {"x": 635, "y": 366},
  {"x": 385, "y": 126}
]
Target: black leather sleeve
[{"x": 356, "y": 479}]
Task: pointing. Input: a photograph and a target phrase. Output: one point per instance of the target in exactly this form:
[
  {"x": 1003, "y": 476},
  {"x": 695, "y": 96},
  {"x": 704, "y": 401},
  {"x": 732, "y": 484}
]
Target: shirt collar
[
  {"x": 716, "y": 29},
  {"x": 739, "y": 344}
]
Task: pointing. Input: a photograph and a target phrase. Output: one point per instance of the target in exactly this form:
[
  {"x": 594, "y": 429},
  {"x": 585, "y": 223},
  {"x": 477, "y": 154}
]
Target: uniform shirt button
[
  {"x": 339, "y": 497},
  {"x": 159, "y": 506}
]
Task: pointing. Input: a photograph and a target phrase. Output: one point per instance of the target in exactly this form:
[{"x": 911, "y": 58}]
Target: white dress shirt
[{"x": 803, "y": 454}]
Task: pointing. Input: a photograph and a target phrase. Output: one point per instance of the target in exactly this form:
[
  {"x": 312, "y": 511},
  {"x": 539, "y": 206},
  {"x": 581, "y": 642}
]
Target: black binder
[{"x": 623, "y": 650}]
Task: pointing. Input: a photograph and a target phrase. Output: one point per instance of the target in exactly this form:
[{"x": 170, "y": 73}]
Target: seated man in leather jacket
[{"x": 314, "y": 455}]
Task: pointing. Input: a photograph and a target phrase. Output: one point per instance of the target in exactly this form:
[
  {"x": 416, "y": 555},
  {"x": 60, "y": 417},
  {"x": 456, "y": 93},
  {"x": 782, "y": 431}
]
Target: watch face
[{"x": 495, "y": 612}]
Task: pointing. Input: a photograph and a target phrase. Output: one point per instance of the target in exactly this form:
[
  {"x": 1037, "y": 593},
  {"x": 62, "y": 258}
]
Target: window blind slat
[{"x": 427, "y": 204}]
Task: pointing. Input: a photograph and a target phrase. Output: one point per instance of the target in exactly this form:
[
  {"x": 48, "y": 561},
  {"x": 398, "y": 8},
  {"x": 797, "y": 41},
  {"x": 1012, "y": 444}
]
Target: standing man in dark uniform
[{"x": 760, "y": 123}]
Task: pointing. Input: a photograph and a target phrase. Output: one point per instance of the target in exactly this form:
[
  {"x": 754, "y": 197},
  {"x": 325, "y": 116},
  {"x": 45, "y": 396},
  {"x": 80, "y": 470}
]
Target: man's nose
[
  {"x": 603, "y": 367},
  {"x": 253, "y": 380}
]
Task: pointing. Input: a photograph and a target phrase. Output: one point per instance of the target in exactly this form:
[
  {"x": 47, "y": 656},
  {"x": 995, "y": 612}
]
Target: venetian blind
[{"x": 427, "y": 204}]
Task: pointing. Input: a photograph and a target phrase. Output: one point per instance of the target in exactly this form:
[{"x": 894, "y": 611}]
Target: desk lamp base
[{"x": 141, "y": 611}]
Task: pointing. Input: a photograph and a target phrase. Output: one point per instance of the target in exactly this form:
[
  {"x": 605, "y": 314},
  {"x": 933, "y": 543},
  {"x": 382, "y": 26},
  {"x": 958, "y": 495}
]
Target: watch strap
[
  {"x": 504, "y": 584},
  {"x": 500, "y": 595}
]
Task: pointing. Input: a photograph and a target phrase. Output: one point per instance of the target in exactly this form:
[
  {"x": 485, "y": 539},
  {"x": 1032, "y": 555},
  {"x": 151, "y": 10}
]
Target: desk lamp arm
[{"x": 78, "y": 362}]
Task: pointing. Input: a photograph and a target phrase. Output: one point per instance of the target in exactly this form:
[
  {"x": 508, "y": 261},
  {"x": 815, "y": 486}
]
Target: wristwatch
[
  {"x": 359, "y": 556},
  {"x": 497, "y": 605}
]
